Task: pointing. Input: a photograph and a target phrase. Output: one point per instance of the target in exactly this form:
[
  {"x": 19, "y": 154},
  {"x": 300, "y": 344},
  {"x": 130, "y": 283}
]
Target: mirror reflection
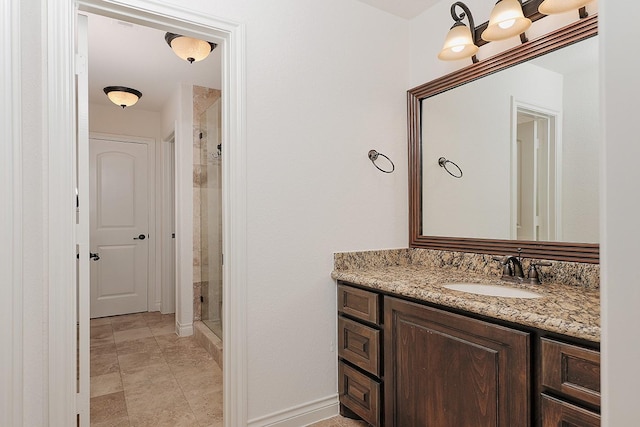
[{"x": 527, "y": 140}]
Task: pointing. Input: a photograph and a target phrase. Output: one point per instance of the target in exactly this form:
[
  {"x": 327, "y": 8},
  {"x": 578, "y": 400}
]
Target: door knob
[
  {"x": 140, "y": 237},
  {"x": 94, "y": 256}
]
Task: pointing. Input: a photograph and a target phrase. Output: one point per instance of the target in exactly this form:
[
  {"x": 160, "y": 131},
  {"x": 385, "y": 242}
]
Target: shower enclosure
[{"x": 211, "y": 218}]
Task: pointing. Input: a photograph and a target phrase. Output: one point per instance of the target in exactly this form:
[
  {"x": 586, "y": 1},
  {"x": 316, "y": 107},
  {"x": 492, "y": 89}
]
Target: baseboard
[
  {"x": 300, "y": 415},
  {"x": 185, "y": 330}
]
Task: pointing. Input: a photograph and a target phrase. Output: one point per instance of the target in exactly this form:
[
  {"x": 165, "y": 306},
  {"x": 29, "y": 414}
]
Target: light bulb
[
  {"x": 507, "y": 24},
  {"x": 457, "y": 49}
]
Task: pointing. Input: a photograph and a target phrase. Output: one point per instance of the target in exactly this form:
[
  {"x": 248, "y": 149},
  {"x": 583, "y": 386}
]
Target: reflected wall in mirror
[{"x": 527, "y": 139}]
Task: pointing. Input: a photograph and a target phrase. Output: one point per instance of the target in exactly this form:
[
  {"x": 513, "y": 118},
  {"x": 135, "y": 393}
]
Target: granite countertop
[{"x": 564, "y": 309}]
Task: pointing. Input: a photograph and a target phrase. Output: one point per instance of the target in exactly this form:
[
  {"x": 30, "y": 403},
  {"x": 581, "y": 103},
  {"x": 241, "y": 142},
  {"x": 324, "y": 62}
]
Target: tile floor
[
  {"x": 339, "y": 422},
  {"x": 143, "y": 374}
]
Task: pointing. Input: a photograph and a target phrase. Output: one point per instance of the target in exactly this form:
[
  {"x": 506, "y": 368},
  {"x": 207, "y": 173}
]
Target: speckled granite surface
[{"x": 567, "y": 308}]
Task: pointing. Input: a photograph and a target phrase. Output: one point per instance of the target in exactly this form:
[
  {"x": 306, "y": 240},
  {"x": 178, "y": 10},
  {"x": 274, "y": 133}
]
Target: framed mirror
[{"x": 521, "y": 129}]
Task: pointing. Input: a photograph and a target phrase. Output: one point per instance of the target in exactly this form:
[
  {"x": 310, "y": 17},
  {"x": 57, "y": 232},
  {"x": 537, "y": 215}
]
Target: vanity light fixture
[
  {"x": 460, "y": 42},
  {"x": 506, "y": 20},
  {"x": 550, "y": 7},
  {"x": 189, "y": 48},
  {"x": 122, "y": 96}
]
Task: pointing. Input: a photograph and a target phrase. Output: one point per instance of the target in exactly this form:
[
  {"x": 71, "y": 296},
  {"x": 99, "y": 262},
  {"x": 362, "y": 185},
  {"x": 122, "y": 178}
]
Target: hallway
[{"x": 143, "y": 374}]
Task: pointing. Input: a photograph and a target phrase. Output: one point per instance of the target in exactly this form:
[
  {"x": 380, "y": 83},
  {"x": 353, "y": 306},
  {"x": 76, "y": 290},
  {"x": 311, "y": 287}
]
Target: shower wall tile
[
  {"x": 203, "y": 98},
  {"x": 199, "y": 176},
  {"x": 197, "y": 305}
]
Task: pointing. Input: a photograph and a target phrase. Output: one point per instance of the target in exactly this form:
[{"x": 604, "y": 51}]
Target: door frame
[
  {"x": 516, "y": 104},
  {"x": 59, "y": 111},
  {"x": 154, "y": 290}
]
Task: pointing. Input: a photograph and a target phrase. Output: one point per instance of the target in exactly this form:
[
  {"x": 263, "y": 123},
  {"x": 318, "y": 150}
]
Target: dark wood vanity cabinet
[
  {"x": 406, "y": 364},
  {"x": 570, "y": 382},
  {"x": 360, "y": 354},
  {"x": 447, "y": 370}
]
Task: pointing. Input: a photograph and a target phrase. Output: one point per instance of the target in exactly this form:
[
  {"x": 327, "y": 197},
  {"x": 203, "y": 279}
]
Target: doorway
[
  {"x": 229, "y": 37},
  {"x": 535, "y": 175}
]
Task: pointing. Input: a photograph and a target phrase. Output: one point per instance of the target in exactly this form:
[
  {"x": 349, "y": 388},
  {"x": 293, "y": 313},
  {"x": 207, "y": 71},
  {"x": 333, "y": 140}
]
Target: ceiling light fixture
[
  {"x": 460, "y": 42},
  {"x": 188, "y": 48},
  {"x": 506, "y": 20},
  {"x": 122, "y": 96}
]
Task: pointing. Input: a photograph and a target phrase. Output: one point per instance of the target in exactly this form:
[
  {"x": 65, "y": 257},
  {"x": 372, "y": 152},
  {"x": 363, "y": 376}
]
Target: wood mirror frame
[{"x": 576, "y": 252}]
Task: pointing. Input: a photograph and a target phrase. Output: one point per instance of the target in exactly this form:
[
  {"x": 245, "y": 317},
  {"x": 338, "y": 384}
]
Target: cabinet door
[
  {"x": 448, "y": 370},
  {"x": 557, "y": 413}
]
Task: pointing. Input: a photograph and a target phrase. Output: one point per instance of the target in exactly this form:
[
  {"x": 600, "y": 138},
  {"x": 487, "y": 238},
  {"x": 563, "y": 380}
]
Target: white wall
[
  {"x": 620, "y": 229},
  {"x": 129, "y": 121},
  {"x": 326, "y": 83}
]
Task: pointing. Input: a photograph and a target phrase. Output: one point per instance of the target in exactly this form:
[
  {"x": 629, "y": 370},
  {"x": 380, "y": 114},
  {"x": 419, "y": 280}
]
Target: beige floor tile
[
  {"x": 146, "y": 377},
  {"x": 99, "y": 342},
  {"x": 191, "y": 355},
  {"x": 163, "y": 328},
  {"x": 108, "y": 407},
  {"x": 169, "y": 341},
  {"x": 166, "y": 417},
  {"x": 133, "y": 383},
  {"x": 100, "y": 332},
  {"x": 100, "y": 321},
  {"x": 142, "y": 345},
  {"x": 165, "y": 394},
  {"x": 129, "y": 322},
  {"x": 118, "y": 422},
  {"x": 103, "y": 363},
  {"x": 194, "y": 384},
  {"x": 339, "y": 421},
  {"x": 105, "y": 384},
  {"x": 132, "y": 334},
  {"x": 109, "y": 347},
  {"x": 133, "y": 362},
  {"x": 207, "y": 407},
  {"x": 331, "y": 422}
]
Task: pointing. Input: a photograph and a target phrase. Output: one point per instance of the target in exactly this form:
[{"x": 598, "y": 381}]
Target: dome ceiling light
[
  {"x": 188, "y": 48},
  {"x": 122, "y": 96}
]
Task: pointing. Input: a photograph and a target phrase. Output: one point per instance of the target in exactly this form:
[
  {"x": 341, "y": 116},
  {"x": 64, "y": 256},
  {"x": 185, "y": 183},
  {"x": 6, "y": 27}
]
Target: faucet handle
[
  {"x": 533, "y": 274},
  {"x": 507, "y": 271}
]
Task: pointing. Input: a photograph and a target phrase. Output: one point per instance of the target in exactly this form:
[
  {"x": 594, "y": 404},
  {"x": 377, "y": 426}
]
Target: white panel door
[{"x": 119, "y": 227}]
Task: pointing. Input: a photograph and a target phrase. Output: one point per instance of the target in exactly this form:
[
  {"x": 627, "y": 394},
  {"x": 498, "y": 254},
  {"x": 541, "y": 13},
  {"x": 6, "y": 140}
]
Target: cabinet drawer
[
  {"x": 360, "y": 394},
  {"x": 557, "y": 413},
  {"x": 359, "y": 303},
  {"x": 571, "y": 370},
  {"x": 359, "y": 344}
]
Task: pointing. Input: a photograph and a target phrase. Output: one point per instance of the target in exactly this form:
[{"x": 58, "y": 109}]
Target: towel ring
[
  {"x": 373, "y": 156},
  {"x": 443, "y": 163}
]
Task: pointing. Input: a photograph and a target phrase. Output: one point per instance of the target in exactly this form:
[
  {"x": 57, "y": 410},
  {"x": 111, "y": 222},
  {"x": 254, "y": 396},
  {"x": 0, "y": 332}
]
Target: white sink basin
[{"x": 492, "y": 290}]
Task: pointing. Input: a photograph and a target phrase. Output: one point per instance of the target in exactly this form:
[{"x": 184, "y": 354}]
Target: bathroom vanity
[{"x": 414, "y": 353}]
